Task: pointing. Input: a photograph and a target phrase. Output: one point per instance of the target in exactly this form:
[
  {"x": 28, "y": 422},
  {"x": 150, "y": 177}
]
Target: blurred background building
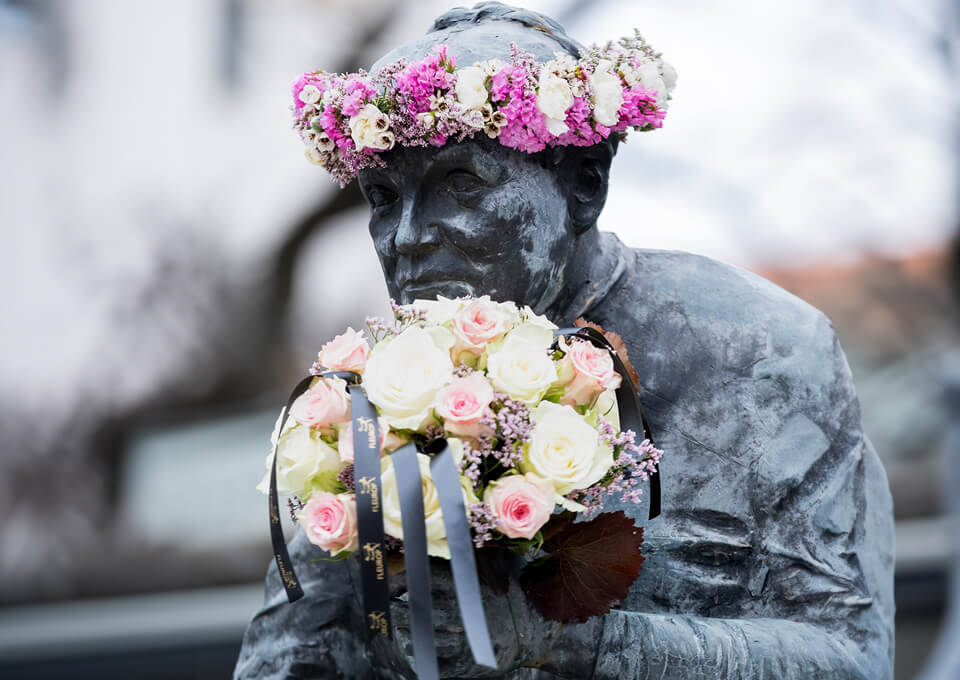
[{"x": 170, "y": 264}]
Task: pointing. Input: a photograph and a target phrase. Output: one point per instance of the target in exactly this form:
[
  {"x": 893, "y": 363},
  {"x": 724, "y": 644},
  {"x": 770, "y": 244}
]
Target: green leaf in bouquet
[
  {"x": 590, "y": 568},
  {"x": 339, "y": 557}
]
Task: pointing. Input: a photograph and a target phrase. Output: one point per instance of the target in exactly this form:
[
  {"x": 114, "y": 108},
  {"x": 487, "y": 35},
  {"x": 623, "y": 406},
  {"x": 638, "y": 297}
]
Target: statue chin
[{"x": 429, "y": 290}]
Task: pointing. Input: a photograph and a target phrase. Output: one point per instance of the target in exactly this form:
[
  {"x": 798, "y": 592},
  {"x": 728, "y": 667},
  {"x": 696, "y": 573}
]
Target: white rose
[
  {"x": 304, "y": 462},
  {"x": 565, "y": 449},
  {"x": 470, "y": 88},
  {"x": 309, "y": 94},
  {"x": 608, "y": 408},
  {"x": 630, "y": 74},
  {"x": 607, "y": 94},
  {"x": 313, "y": 155},
  {"x": 553, "y": 99},
  {"x": 531, "y": 316},
  {"x": 369, "y": 129},
  {"x": 491, "y": 67},
  {"x": 403, "y": 375},
  {"x": 521, "y": 368},
  {"x": 669, "y": 76},
  {"x": 433, "y": 517},
  {"x": 439, "y": 311},
  {"x": 650, "y": 79},
  {"x": 426, "y": 119}
]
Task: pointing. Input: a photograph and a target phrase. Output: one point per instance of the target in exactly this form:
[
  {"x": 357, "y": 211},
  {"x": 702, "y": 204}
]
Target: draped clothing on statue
[{"x": 776, "y": 524}]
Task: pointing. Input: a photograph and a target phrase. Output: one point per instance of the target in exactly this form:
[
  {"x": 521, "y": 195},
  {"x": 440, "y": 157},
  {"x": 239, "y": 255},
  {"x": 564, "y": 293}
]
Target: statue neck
[{"x": 595, "y": 266}]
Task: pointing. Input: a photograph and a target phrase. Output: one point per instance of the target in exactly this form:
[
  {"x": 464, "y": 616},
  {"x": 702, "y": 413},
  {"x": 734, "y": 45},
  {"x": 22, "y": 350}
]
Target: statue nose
[{"x": 414, "y": 233}]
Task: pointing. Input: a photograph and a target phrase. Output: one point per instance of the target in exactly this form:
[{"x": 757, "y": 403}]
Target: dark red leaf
[{"x": 590, "y": 569}]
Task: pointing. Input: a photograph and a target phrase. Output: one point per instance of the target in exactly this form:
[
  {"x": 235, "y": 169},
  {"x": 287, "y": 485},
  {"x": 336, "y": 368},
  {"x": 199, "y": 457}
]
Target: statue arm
[
  {"x": 816, "y": 576},
  {"x": 639, "y": 645},
  {"x": 318, "y": 636}
]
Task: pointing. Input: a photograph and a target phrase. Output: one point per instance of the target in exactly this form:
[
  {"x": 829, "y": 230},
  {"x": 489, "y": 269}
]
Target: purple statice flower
[
  {"x": 358, "y": 92},
  {"x": 482, "y": 521},
  {"x": 511, "y": 422},
  {"x": 513, "y": 90},
  {"x": 634, "y": 463},
  {"x": 639, "y": 110},
  {"x": 346, "y": 478},
  {"x": 295, "y": 505},
  {"x": 473, "y": 456},
  {"x": 379, "y": 328},
  {"x": 420, "y": 80},
  {"x": 581, "y": 130},
  {"x": 407, "y": 316}
]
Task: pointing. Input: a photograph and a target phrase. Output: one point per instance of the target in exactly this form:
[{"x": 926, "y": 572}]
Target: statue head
[{"x": 476, "y": 217}]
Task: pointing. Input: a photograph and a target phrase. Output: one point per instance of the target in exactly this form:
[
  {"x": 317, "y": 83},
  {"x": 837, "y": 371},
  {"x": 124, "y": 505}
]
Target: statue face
[{"x": 472, "y": 218}]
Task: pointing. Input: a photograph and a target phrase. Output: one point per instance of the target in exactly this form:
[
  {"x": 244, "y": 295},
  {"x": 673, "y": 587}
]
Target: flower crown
[{"x": 347, "y": 120}]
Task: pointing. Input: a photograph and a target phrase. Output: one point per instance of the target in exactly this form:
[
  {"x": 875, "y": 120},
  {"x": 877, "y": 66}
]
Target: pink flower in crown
[
  {"x": 330, "y": 521},
  {"x": 587, "y": 371},
  {"x": 346, "y": 352},
  {"x": 520, "y": 504},
  {"x": 479, "y": 323},
  {"x": 389, "y": 440},
  {"x": 323, "y": 405},
  {"x": 463, "y": 403}
]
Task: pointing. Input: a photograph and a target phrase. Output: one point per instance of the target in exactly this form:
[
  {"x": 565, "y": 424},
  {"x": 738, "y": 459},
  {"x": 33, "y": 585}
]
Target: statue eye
[
  {"x": 380, "y": 196},
  {"x": 462, "y": 181}
]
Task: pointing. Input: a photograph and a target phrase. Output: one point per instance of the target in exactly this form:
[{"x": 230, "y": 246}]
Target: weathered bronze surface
[{"x": 773, "y": 557}]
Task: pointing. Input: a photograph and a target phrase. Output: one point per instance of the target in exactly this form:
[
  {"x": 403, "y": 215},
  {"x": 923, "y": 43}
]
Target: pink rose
[
  {"x": 588, "y": 371},
  {"x": 463, "y": 403},
  {"x": 346, "y": 352},
  {"x": 520, "y": 504},
  {"x": 389, "y": 440},
  {"x": 330, "y": 521},
  {"x": 479, "y": 323},
  {"x": 325, "y": 403}
]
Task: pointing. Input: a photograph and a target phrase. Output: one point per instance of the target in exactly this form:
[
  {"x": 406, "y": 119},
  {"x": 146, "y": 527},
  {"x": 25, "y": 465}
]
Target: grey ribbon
[
  {"x": 416, "y": 561},
  {"x": 446, "y": 479}
]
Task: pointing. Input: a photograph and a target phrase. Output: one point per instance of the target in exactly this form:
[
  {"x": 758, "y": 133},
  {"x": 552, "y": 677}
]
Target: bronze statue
[{"x": 773, "y": 557}]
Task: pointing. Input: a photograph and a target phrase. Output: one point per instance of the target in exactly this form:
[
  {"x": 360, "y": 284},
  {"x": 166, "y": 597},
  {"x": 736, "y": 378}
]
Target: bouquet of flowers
[{"x": 531, "y": 418}]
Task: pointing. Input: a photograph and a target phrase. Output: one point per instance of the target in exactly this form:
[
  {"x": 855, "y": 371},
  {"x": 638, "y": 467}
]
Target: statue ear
[{"x": 588, "y": 176}]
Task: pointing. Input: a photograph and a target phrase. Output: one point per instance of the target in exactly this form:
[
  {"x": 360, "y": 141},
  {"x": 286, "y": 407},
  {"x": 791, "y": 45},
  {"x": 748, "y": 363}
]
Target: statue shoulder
[{"x": 679, "y": 296}]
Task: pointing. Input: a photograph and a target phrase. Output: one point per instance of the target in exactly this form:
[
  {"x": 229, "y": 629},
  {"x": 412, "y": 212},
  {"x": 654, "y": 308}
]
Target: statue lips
[{"x": 429, "y": 288}]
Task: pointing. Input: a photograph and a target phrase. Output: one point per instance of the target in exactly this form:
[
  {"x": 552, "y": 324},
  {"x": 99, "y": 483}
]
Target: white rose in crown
[
  {"x": 522, "y": 368},
  {"x": 470, "y": 88},
  {"x": 304, "y": 463},
  {"x": 403, "y": 375},
  {"x": 310, "y": 94},
  {"x": 565, "y": 449},
  {"x": 370, "y": 129},
  {"x": 650, "y": 78},
  {"x": 607, "y": 94},
  {"x": 669, "y": 76},
  {"x": 554, "y": 97},
  {"x": 433, "y": 518}
]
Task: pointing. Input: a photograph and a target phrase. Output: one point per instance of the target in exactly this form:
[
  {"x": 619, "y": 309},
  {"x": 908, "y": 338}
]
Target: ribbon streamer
[
  {"x": 415, "y": 559},
  {"x": 373, "y": 553},
  {"x": 628, "y": 403},
  {"x": 287, "y": 576},
  {"x": 446, "y": 479}
]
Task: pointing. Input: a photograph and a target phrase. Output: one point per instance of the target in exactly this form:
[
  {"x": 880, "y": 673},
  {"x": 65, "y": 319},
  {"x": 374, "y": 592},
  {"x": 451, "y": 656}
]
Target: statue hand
[{"x": 520, "y": 636}]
